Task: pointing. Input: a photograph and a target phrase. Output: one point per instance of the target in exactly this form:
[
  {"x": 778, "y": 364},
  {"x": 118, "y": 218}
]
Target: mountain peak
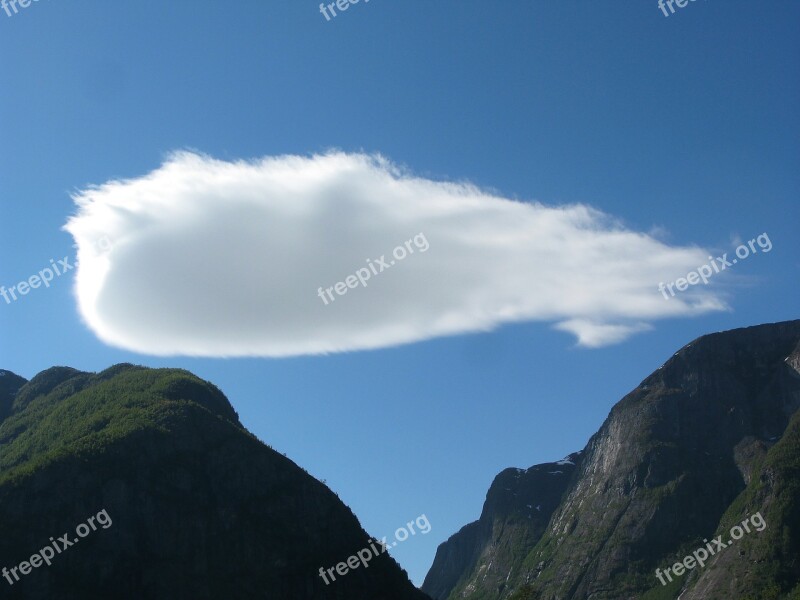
[
  {"x": 699, "y": 444},
  {"x": 191, "y": 494}
]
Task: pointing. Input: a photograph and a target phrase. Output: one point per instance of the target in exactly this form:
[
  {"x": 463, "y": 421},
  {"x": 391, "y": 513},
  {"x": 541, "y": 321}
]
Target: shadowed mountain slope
[
  {"x": 698, "y": 445},
  {"x": 199, "y": 507}
]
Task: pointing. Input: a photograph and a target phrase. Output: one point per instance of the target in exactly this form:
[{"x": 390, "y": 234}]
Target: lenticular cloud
[{"x": 213, "y": 258}]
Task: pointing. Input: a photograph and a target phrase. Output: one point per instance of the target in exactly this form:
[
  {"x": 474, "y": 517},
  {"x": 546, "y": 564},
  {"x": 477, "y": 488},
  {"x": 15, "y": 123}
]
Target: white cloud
[
  {"x": 212, "y": 258},
  {"x": 595, "y": 335}
]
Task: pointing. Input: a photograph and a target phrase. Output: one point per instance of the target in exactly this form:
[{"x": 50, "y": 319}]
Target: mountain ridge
[
  {"x": 671, "y": 458},
  {"x": 200, "y": 507}
]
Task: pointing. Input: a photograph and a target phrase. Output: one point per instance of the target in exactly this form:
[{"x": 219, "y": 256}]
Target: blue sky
[{"x": 683, "y": 127}]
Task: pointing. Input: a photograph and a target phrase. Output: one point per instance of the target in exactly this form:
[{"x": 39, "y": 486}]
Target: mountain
[
  {"x": 143, "y": 483},
  {"x": 707, "y": 441},
  {"x": 9, "y": 385},
  {"x": 761, "y": 562},
  {"x": 516, "y": 512}
]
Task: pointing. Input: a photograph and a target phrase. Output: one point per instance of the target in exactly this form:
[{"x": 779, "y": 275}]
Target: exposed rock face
[
  {"x": 517, "y": 509},
  {"x": 200, "y": 507},
  {"x": 674, "y": 458},
  {"x": 762, "y": 564}
]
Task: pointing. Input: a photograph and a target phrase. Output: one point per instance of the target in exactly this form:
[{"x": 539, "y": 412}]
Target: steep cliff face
[
  {"x": 763, "y": 563},
  {"x": 672, "y": 457},
  {"x": 479, "y": 560},
  {"x": 200, "y": 508}
]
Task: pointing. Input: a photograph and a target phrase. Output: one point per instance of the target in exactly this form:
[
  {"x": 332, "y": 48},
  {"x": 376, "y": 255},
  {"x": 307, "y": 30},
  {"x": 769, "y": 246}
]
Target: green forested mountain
[{"x": 199, "y": 508}]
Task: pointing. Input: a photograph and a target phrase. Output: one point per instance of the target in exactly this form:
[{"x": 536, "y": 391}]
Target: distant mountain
[
  {"x": 708, "y": 440},
  {"x": 518, "y": 507},
  {"x": 182, "y": 501}
]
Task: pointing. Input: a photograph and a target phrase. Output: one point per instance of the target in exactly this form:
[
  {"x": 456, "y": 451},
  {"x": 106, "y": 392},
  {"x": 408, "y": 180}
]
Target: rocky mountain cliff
[
  {"x": 198, "y": 507},
  {"x": 698, "y": 446},
  {"x": 518, "y": 506}
]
